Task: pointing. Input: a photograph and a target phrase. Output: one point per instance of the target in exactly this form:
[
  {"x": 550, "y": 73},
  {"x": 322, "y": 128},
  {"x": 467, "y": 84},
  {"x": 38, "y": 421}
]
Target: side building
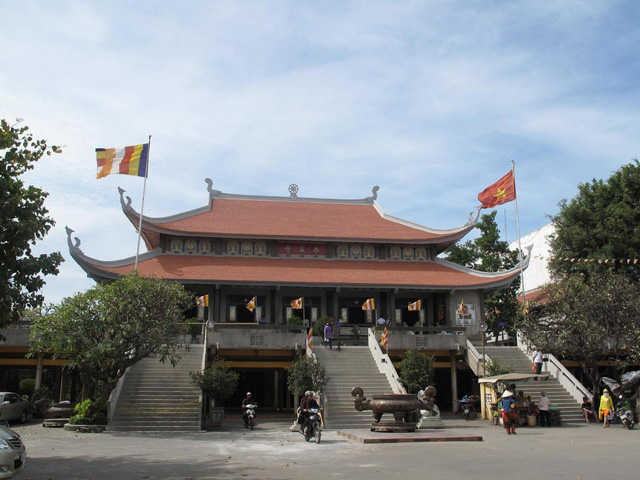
[{"x": 335, "y": 255}]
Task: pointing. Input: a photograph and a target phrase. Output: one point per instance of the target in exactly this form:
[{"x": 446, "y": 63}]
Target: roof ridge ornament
[
  {"x": 210, "y": 189},
  {"x": 73, "y": 247},
  {"x": 128, "y": 203},
  {"x": 473, "y": 221},
  {"x": 374, "y": 195}
]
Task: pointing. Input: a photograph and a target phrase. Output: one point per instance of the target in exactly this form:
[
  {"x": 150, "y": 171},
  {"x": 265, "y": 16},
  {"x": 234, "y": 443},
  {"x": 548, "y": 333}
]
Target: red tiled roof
[
  {"x": 306, "y": 272},
  {"x": 301, "y": 220}
]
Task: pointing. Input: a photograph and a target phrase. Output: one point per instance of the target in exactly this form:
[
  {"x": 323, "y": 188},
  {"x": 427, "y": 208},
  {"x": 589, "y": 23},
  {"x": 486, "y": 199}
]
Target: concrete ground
[{"x": 271, "y": 451}]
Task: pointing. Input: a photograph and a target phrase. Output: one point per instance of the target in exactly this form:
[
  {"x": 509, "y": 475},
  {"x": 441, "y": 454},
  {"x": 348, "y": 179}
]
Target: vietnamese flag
[{"x": 503, "y": 191}]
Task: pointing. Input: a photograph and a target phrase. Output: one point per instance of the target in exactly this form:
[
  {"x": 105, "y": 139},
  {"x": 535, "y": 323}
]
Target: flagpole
[
  {"x": 513, "y": 169},
  {"x": 144, "y": 190}
]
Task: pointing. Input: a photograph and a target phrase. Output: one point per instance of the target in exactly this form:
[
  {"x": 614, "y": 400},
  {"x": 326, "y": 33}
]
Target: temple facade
[{"x": 334, "y": 254}]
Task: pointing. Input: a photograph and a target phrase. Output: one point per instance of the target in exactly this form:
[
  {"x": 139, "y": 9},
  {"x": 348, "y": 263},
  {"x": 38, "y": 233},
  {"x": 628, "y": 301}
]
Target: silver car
[
  {"x": 13, "y": 454},
  {"x": 13, "y": 407}
]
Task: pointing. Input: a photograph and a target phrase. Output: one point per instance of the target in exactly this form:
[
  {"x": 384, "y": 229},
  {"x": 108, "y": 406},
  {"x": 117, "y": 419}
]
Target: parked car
[
  {"x": 13, "y": 453},
  {"x": 13, "y": 407}
]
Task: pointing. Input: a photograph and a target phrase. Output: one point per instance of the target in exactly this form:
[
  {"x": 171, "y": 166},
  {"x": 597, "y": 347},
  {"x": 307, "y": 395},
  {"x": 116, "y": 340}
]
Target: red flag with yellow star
[{"x": 503, "y": 191}]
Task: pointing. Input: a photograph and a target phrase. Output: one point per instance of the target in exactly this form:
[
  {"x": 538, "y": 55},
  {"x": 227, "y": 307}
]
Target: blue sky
[{"x": 430, "y": 100}]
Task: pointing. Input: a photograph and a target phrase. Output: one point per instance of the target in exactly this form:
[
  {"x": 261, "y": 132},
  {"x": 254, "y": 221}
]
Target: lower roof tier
[{"x": 439, "y": 274}]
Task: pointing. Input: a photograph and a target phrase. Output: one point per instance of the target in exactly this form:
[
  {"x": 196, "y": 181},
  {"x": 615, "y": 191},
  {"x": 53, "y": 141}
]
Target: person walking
[
  {"x": 328, "y": 335},
  {"x": 606, "y": 407},
  {"x": 509, "y": 414},
  {"x": 543, "y": 409},
  {"x": 537, "y": 361}
]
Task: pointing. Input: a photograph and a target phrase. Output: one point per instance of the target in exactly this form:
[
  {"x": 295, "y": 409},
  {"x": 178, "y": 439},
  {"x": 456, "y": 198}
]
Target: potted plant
[
  {"x": 217, "y": 383},
  {"x": 88, "y": 418}
]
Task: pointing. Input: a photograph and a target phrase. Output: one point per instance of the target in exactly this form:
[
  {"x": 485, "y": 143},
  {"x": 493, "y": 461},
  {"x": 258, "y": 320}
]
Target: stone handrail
[
  {"x": 474, "y": 359},
  {"x": 383, "y": 362},
  {"x": 566, "y": 379}
]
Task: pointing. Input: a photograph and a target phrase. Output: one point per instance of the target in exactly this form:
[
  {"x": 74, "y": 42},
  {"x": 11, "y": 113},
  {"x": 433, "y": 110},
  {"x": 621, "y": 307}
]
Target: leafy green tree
[
  {"x": 588, "y": 319},
  {"x": 416, "y": 370},
  {"x": 307, "y": 373},
  {"x": 488, "y": 253},
  {"x": 23, "y": 221},
  {"x": 599, "y": 229},
  {"x": 113, "y": 326},
  {"x": 217, "y": 381}
]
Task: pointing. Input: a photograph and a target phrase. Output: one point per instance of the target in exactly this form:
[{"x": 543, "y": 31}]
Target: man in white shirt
[{"x": 543, "y": 407}]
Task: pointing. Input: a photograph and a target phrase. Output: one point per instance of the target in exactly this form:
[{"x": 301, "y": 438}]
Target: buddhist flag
[
  {"x": 461, "y": 308},
  {"x": 297, "y": 304},
  {"x": 503, "y": 191},
  {"x": 415, "y": 306},
  {"x": 202, "y": 301},
  {"x": 384, "y": 338},
  {"x": 369, "y": 305},
  {"x": 310, "y": 340},
  {"x": 125, "y": 161},
  {"x": 252, "y": 304}
]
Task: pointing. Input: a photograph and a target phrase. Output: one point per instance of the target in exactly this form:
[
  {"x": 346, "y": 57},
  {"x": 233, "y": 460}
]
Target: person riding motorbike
[
  {"x": 248, "y": 400},
  {"x": 307, "y": 402}
]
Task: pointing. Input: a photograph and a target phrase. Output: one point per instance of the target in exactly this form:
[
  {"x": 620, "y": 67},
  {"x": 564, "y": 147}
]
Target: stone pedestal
[{"x": 393, "y": 426}]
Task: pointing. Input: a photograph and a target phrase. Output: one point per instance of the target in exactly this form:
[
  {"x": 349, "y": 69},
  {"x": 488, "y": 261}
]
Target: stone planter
[
  {"x": 84, "y": 428},
  {"x": 216, "y": 417}
]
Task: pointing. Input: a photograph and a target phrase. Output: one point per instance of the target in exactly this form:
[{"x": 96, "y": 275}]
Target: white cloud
[{"x": 428, "y": 100}]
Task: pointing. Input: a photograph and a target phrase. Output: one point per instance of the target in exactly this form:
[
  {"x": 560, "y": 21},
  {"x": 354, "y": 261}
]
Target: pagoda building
[{"x": 334, "y": 254}]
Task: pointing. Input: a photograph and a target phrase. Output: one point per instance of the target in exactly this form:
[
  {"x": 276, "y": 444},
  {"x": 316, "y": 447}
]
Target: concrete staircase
[
  {"x": 347, "y": 368},
  {"x": 157, "y": 397},
  {"x": 570, "y": 410}
]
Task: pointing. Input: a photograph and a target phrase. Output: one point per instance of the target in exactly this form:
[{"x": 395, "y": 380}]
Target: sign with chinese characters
[
  {"x": 302, "y": 250},
  {"x": 465, "y": 313}
]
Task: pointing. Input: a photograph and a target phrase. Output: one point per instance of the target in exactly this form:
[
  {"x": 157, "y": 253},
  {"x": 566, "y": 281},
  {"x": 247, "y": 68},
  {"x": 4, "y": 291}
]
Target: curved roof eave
[{"x": 91, "y": 265}]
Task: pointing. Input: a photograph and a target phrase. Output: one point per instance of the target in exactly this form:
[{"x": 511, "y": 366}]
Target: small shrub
[
  {"x": 87, "y": 414},
  {"x": 318, "y": 327},
  {"x": 294, "y": 320},
  {"x": 493, "y": 367},
  {"x": 217, "y": 381},
  {"x": 416, "y": 371},
  {"x": 27, "y": 386},
  {"x": 307, "y": 373}
]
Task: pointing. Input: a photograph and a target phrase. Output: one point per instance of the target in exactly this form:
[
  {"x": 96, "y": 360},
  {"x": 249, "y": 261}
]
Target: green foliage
[
  {"x": 307, "y": 373},
  {"x": 87, "y": 413},
  {"x": 112, "y": 326},
  {"x": 318, "y": 327},
  {"x": 217, "y": 381},
  {"x": 23, "y": 221},
  {"x": 590, "y": 319},
  {"x": 600, "y": 223},
  {"x": 27, "y": 386},
  {"x": 416, "y": 370},
  {"x": 493, "y": 367},
  {"x": 294, "y": 320},
  {"x": 488, "y": 254}
]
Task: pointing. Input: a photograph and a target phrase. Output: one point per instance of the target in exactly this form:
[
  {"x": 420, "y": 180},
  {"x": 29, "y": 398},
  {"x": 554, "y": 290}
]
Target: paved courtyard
[{"x": 574, "y": 451}]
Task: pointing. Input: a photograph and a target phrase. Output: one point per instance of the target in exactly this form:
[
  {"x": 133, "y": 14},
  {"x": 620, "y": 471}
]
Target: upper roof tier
[{"x": 293, "y": 218}]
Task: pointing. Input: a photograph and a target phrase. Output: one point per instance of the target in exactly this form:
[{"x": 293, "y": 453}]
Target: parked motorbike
[
  {"x": 249, "y": 417},
  {"x": 314, "y": 430},
  {"x": 467, "y": 406},
  {"x": 624, "y": 414}
]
